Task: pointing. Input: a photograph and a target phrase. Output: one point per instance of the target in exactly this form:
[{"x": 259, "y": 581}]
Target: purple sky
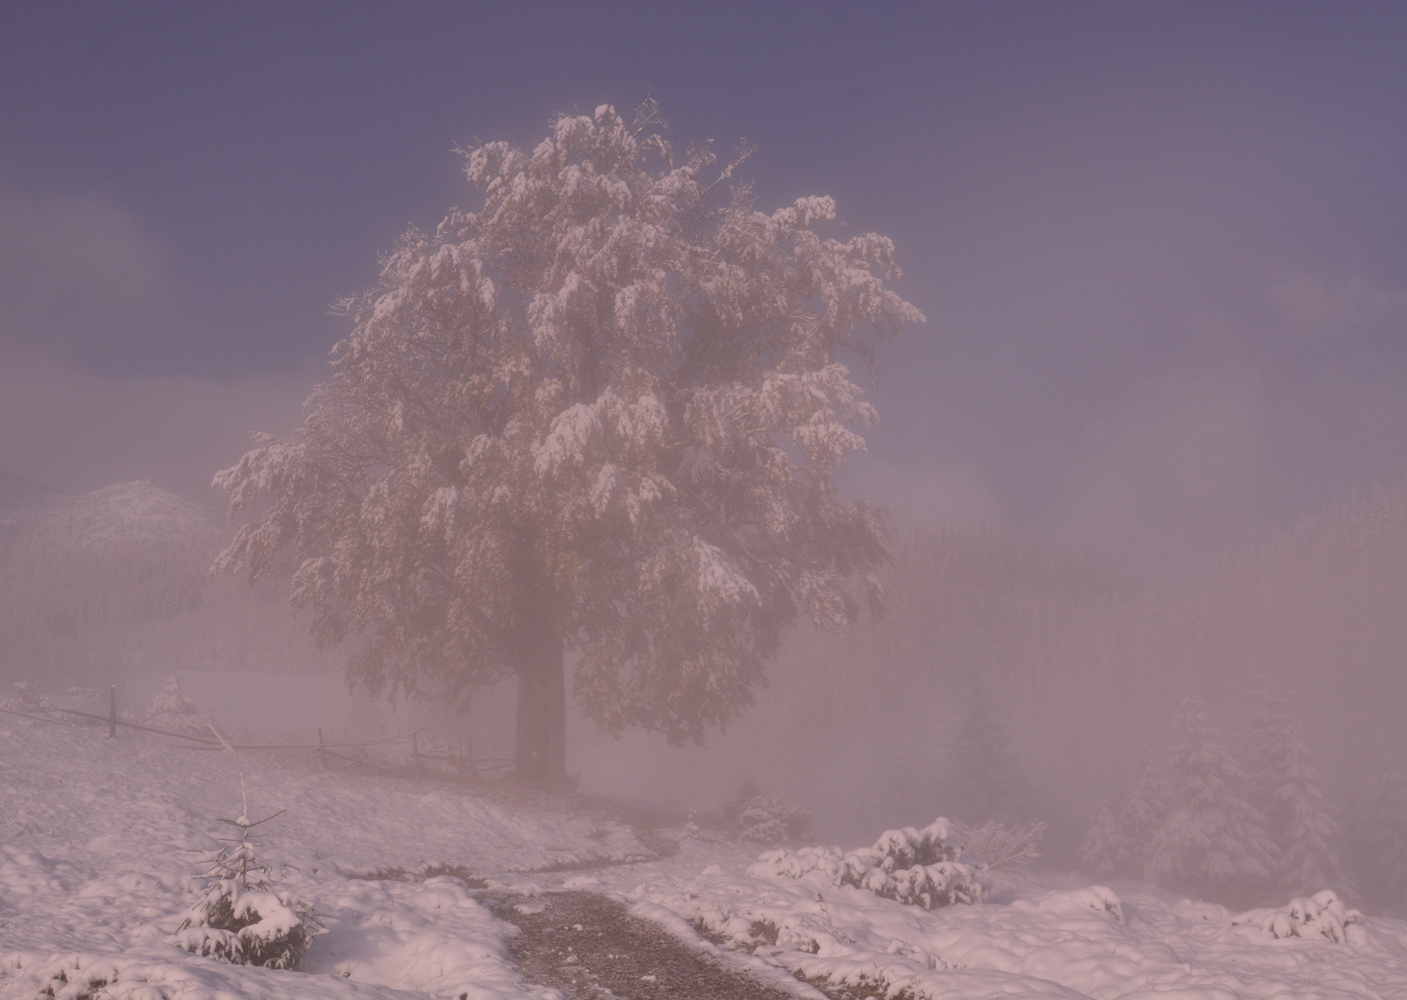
[{"x": 1162, "y": 247}]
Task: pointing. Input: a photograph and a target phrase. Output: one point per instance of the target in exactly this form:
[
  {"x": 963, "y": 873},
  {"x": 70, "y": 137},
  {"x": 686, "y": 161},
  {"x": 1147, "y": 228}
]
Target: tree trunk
[{"x": 542, "y": 713}]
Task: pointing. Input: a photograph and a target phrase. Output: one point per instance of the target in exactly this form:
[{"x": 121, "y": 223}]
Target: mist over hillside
[
  {"x": 1048, "y": 674},
  {"x": 98, "y": 587}
]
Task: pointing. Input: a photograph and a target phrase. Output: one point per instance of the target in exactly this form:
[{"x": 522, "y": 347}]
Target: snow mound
[{"x": 1094, "y": 897}]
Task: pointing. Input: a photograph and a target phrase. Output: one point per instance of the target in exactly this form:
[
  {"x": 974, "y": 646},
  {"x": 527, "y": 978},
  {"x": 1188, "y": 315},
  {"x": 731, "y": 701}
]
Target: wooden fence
[{"x": 465, "y": 765}]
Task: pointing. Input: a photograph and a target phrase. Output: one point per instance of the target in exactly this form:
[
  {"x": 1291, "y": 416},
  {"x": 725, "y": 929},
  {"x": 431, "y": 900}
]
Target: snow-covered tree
[
  {"x": 1120, "y": 842},
  {"x": 1145, "y": 811},
  {"x": 1104, "y": 851},
  {"x": 172, "y": 700},
  {"x": 985, "y": 780},
  {"x": 599, "y": 415},
  {"x": 1284, "y": 787},
  {"x": 1213, "y": 843},
  {"x": 1380, "y": 838},
  {"x": 241, "y": 918}
]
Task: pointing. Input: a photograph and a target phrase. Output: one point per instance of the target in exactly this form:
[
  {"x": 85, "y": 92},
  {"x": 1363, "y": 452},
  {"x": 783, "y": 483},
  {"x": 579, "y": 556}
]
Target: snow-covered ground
[{"x": 101, "y": 840}]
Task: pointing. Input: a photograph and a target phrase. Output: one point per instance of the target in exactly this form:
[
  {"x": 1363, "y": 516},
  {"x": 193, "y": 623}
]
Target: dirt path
[{"x": 589, "y": 947}]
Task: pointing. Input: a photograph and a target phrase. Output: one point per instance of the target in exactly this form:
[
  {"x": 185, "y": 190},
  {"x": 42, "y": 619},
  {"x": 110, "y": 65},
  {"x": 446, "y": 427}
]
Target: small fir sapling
[
  {"x": 173, "y": 700},
  {"x": 173, "y": 709},
  {"x": 239, "y": 918}
]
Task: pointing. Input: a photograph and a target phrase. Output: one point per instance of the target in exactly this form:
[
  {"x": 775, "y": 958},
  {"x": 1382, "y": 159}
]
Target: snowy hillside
[{"x": 102, "y": 842}]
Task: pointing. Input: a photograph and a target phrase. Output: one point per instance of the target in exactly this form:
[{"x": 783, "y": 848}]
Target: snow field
[
  {"x": 100, "y": 843},
  {"x": 1040, "y": 936},
  {"x": 101, "y": 840}
]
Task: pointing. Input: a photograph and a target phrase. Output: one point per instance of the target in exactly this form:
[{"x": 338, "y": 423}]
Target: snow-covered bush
[
  {"x": 1320, "y": 915},
  {"x": 763, "y": 818},
  {"x": 25, "y": 698},
  {"x": 239, "y": 918},
  {"x": 998, "y": 845},
  {"x": 919, "y": 867}
]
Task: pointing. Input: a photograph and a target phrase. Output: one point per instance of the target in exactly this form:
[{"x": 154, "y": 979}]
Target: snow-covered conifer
[
  {"x": 1213, "y": 844},
  {"x": 240, "y": 918},
  {"x": 1104, "y": 850},
  {"x": 985, "y": 780},
  {"x": 1145, "y": 810},
  {"x": 1380, "y": 838},
  {"x": 601, "y": 414},
  {"x": 1283, "y": 785},
  {"x": 173, "y": 700},
  {"x": 917, "y": 867},
  {"x": 763, "y": 818}
]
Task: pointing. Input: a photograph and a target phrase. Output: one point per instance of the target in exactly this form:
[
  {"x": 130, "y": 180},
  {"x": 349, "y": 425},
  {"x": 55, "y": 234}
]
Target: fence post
[
  {"x": 112, "y": 713},
  {"x": 415, "y": 748},
  {"x": 322, "y": 753}
]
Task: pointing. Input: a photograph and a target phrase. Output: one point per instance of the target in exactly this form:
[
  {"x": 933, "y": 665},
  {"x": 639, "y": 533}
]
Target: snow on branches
[
  {"x": 919, "y": 867},
  {"x": 239, "y": 918},
  {"x": 604, "y": 410}
]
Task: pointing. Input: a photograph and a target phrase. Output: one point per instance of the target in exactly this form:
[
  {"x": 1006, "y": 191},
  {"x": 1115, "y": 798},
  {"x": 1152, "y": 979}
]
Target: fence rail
[{"x": 460, "y": 762}]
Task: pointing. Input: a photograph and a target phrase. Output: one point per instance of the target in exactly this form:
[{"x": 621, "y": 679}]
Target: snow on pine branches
[
  {"x": 239, "y": 918},
  {"x": 919, "y": 867},
  {"x": 1214, "y": 841},
  {"x": 763, "y": 818},
  {"x": 1284, "y": 787},
  {"x": 1236, "y": 830},
  {"x": 600, "y": 414}
]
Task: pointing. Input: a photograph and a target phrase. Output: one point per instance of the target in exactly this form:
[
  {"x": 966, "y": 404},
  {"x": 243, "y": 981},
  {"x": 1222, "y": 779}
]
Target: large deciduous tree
[{"x": 599, "y": 415}]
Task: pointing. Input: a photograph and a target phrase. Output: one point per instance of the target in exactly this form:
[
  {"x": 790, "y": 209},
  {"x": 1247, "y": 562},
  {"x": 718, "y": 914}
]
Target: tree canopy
[{"x": 601, "y": 415}]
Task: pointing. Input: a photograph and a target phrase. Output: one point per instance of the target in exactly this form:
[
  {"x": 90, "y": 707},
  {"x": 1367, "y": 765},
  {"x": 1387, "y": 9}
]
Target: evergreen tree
[
  {"x": 1104, "y": 850},
  {"x": 986, "y": 781},
  {"x": 600, "y": 415},
  {"x": 1213, "y": 844},
  {"x": 1145, "y": 811},
  {"x": 1284, "y": 787},
  {"x": 1380, "y": 838}
]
